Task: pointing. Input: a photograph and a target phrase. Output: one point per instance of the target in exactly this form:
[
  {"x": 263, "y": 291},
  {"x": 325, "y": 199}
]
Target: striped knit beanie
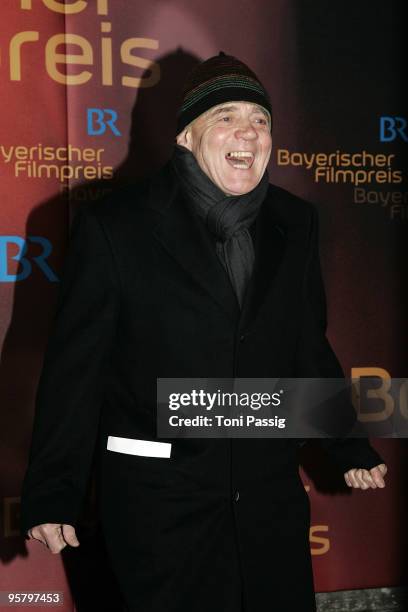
[{"x": 221, "y": 78}]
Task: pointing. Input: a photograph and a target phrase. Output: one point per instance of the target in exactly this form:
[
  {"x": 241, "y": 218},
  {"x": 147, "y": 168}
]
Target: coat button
[
  {"x": 242, "y": 338},
  {"x": 236, "y": 496}
]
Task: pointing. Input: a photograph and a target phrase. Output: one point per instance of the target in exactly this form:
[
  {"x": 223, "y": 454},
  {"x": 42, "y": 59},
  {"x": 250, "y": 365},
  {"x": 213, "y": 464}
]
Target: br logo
[
  {"x": 99, "y": 119},
  {"x": 8, "y": 243},
  {"x": 392, "y": 128}
]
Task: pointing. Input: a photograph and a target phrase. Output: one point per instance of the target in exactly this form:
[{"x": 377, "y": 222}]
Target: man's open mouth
[{"x": 240, "y": 159}]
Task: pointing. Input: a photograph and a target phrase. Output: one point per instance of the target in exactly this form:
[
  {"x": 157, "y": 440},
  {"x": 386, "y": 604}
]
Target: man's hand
[
  {"x": 54, "y": 536},
  {"x": 364, "y": 479}
]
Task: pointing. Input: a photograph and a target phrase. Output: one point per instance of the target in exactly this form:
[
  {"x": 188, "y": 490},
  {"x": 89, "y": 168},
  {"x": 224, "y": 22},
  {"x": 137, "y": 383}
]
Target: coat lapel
[{"x": 184, "y": 236}]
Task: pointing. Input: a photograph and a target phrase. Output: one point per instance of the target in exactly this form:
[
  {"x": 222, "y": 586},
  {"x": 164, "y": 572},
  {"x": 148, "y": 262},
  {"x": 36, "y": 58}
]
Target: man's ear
[{"x": 184, "y": 138}]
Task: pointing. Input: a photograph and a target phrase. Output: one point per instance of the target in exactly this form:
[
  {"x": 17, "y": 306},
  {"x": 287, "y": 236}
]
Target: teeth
[
  {"x": 240, "y": 165},
  {"x": 246, "y": 156},
  {"x": 240, "y": 154}
]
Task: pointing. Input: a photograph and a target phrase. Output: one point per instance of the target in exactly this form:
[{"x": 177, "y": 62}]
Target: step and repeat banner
[{"x": 89, "y": 93}]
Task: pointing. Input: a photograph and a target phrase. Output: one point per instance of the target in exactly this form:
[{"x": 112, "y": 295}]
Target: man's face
[{"x": 232, "y": 144}]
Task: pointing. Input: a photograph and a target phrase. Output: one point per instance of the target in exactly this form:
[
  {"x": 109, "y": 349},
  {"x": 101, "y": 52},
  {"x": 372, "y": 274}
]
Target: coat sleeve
[
  {"x": 70, "y": 389},
  {"x": 315, "y": 358}
]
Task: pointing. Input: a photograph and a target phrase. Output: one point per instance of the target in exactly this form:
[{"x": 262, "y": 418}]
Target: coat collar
[{"x": 184, "y": 236}]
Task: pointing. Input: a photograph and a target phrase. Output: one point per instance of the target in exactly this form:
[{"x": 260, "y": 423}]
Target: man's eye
[
  {"x": 261, "y": 120},
  {"x": 226, "y": 118}
]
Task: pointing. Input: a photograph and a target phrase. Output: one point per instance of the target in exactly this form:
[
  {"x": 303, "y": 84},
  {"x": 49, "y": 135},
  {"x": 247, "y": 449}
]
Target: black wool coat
[{"x": 202, "y": 523}]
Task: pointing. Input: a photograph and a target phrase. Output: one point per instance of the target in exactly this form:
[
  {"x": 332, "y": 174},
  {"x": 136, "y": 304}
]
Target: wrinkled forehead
[{"x": 234, "y": 106}]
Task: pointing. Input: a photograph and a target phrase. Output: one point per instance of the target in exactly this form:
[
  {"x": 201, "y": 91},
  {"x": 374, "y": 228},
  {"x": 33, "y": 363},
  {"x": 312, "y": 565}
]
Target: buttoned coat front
[{"x": 143, "y": 295}]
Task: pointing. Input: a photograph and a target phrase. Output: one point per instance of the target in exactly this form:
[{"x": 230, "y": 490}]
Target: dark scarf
[{"x": 228, "y": 218}]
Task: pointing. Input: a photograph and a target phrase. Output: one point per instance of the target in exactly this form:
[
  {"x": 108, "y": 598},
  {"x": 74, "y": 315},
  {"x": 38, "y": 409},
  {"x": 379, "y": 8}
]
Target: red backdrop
[{"x": 104, "y": 79}]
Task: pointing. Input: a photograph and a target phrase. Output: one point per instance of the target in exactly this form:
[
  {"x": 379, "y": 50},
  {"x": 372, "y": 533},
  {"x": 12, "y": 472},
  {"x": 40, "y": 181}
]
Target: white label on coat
[{"x": 144, "y": 448}]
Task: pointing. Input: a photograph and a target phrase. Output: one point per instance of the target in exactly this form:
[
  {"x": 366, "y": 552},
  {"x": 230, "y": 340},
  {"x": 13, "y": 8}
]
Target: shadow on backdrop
[{"x": 153, "y": 130}]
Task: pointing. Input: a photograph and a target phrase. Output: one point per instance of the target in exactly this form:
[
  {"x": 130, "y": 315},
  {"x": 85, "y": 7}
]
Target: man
[{"x": 205, "y": 270}]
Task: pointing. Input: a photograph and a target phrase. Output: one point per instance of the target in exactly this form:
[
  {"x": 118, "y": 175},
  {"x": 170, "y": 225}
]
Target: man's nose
[{"x": 245, "y": 129}]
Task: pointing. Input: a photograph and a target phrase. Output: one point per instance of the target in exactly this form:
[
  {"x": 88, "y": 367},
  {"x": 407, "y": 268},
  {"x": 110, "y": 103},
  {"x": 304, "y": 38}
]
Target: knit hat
[{"x": 221, "y": 78}]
